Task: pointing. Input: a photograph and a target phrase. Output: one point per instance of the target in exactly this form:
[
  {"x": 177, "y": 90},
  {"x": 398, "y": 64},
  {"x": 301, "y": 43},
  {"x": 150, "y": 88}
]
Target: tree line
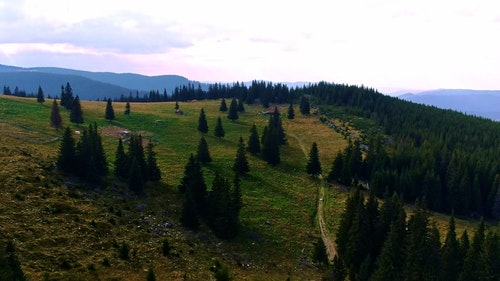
[{"x": 379, "y": 242}]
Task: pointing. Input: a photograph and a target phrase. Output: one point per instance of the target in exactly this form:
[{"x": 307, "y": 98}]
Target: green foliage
[
  {"x": 121, "y": 161},
  {"x": 55, "y": 116},
  {"x": 272, "y": 138},
  {"x": 76, "y": 115},
  {"x": 305, "y": 107},
  {"x": 313, "y": 166},
  {"x": 67, "y": 96},
  {"x": 203, "y": 155},
  {"x": 253, "y": 145},
  {"x": 40, "y": 96},
  {"x": 219, "y": 131},
  {"x": 202, "y": 122},
  {"x": 291, "y": 112},
  {"x": 127, "y": 109},
  {"x": 241, "y": 165},
  {"x": 233, "y": 110},
  {"x": 223, "y": 106},
  {"x": 66, "y": 160},
  {"x": 153, "y": 172},
  {"x": 110, "y": 112},
  {"x": 91, "y": 159},
  {"x": 241, "y": 107}
]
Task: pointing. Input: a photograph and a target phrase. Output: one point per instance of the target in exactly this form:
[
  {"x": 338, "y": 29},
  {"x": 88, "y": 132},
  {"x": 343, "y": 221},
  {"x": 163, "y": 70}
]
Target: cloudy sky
[{"x": 420, "y": 44}]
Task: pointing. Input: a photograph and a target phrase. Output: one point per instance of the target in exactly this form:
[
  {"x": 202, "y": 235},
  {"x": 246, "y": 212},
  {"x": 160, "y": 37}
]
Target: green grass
[
  {"x": 57, "y": 225},
  {"x": 67, "y": 230}
]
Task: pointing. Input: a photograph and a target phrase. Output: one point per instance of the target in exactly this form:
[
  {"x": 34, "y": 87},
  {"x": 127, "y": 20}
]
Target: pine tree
[
  {"x": 241, "y": 107},
  {"x": 66, "y": 160},
  {"x": 203, "y": 155},
  {"x": 253, "y": 144},
  {"x": 291, "y": 112},
  {"x": 120, "y": 161},
  {"x": 223, "y": 106},
  {"x": 55, "y": 116},
  {"x": 202, "y": 122},
  {"x": 219, "y": 131},
  {"x": 67, "y": 96},
  {"x": 271, "y": 147},
  {"x": 135, "y": 178},
  {"x": 193, "y": 185},
  {"x": 233, "y": 110},
  {"x": 313, "y": 166},
  {"x": 153, "y": 172},
  {"x": 127, "y": 109},
  {"x": 40, "y": 97},
  {"x": 76, "y": 114},
  {"x": 451, "y": 254},
  {"x": 337, "y": 166},
  {"x": 241, "y": 163},
  {"x": 189, "y": 169},
  {"x": 110, "y": 112},
  {"x": 91, "y": 159},
  {"x": 305, "y": 107},
  {"x": 473, "y": 266},
  {"x": 176, "y": 105}
]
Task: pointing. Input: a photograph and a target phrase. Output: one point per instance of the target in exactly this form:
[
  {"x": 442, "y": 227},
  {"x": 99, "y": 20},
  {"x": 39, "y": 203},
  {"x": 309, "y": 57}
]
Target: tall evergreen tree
[
  {"x": 241, "y": 163},
  {"x": 452, "y": 260},
  {"x": 219, "y": 131},
  {"x": 121, "y": 161},
  {"x": 66, "y": 160},
  {"x": 291, "y": 112},
  {"x": 337, "y": 166},
  {"x": 473, "y": 266},
  {"x": 313, "y": 166},
  {"x": 305, "y": 107},
  {"x": 127, "y": 109},
  {"x": 189, "y": 214},
  {"x": 92, "y": 164},
  {"x": 241, "y": 106},
  {"x": 76, "y": 114},
  {"x": 67, "y": 96},
  {"x": 153, "y": 172},
  {"x": 224, "y": 208},
  {"x": 40, "y": 96},
  {"x": 110, "y": 112},
  {"x": 193, "y": 185},
  {"x": 202, "y": 122},
  {"x": 233, "y": 110},
  {"x": 253, "y": 144},
  {"x": 203, "y": 155},
  {"x": 271, "y": 147},
  {"x": 55, "y": 116},
  {"x": 223, "y": 105},
  {"x": 135, "y": 177}
]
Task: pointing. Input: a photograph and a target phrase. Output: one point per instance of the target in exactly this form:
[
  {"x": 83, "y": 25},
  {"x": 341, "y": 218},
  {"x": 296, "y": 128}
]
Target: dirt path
[{"x": 325, "y": 233}]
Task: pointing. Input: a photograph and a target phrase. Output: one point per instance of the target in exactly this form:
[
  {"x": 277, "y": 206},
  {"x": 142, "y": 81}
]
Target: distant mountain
[
  {"x": 88, "y": 85},
  {"x": 484, "y": 103}
]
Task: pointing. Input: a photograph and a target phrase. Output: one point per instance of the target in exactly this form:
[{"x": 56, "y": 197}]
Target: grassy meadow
[{"x": 64, "y": 230}]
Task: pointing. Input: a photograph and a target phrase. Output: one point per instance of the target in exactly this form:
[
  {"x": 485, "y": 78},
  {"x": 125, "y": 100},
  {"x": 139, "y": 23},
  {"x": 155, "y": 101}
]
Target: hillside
[
  {"x": 60, "y": 222},
  {"x": 283, "y": 206}
]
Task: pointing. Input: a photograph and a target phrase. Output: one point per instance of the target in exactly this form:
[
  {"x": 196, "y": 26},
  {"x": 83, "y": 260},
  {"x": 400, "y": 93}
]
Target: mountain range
[
  {"x": 88, "y": 85},
  {"x": 483, "y": 103}
]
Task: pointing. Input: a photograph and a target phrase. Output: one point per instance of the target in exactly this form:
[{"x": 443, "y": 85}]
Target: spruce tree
[
  {"x": 313, "y": 166},
  {"x": 120, "y": 161},
  {"x": 55, "y": 116},
  {"x": 202, "y": 122},
  {"x": 176, "y": 105},
  {"x": 189, "y": 169},
  {"x": 219, "y": 131},
  {"x": 110, "y": 112},
  {"x": 40, "y": 97},
  {"x": 233, "y": 110},
  {"x": 291, "y": 112},
  {"x": 203, "y": 155},
  {"x": 223, "y": 106},
  {"x": 66, "y": 160},
  {"x": 253, "y": 144},
  {"x": 305, "y": 107},
  {"x": 241, "y": 106},
  {"x": 271, "y": 147},
  {"x": 153, "y": 172},
  {"x": 241, "y": 163},
  {"x": 337, "y": 166},
  {"x": 91, "y": 159},
  {"x": 193, "y": 185},
  {"x": 76, "y": 114},
  {"x": 67, "y": 96},
  {"x": 135, "y": 178},
  {"x": 450, "y": 250},
  {"x": 127, "y": 109}
]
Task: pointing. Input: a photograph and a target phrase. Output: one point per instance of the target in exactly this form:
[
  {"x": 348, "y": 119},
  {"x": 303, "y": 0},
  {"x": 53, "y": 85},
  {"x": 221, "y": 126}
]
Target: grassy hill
[{"x": 68, "y": 231}]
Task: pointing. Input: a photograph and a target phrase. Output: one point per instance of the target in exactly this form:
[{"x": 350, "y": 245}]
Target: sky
[{"x": 384, "y": 44}]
